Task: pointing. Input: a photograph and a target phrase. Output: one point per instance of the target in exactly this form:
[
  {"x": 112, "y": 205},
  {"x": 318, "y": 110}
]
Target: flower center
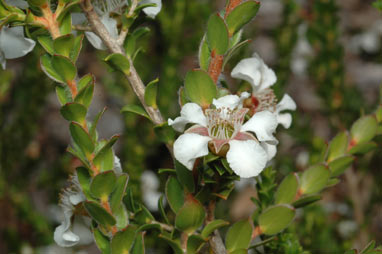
[
  {"x": 224, "y": 123},
  {"x": 260, "y": 101}
]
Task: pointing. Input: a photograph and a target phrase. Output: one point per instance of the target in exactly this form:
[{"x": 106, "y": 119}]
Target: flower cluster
[{"x": 222, "y": 129}]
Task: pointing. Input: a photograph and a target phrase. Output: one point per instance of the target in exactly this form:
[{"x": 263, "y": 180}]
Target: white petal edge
[
  {"x": 190, "y": 113},
  {"x": 263, "y": 124},
  {"x": 13, "y": 43},
  {"x": 286, "y": 103},
  {"x": 63, "y": 236},
  {"x": 270, "y": 149},
  {"x": 268, "y": 76},
  {"x": 152, "y": 11},
  {"x": 246, "y": 158},
  {"x": 190, "y": 146},
  {"x": 248, "y": 69},
  {"x": 284, "y": 119},
  {"x": 228, "y": 101}
]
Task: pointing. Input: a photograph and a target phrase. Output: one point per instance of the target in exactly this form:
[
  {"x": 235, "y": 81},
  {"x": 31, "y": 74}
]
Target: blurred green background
[{"x": 327, "y": 55}]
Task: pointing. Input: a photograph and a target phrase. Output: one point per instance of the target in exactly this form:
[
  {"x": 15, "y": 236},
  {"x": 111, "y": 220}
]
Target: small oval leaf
[
  {"x": 275, "y": 219},
  {"x": 103, "y": 184},
  {"x": 200, "y": 88},
  {"x": 314, "y": 179},
  {"x": 287, "y": 190},
  {"x": 99, "y": 214},
  {"x": 241, "y": 15}
]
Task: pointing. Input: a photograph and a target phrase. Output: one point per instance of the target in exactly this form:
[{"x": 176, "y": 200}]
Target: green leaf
[
  {"x": 119, "y": 192},
  {"x": 121, "y": 217},
  {"x": 217, "y": 34},
  {"x": 139, "y": 245},
  {"x": 102, "y": 241},
  {"x": 46, "y": 66},
  {"x": 74, "y": 112},
  {"x": 287, "y": 190},
  {"x": 165, "y": 133},
  {"x": 174, "y": 244},
  {"x": 276, "y": 218},
  {"x": 162, "y": 211},
  {"x": 332, "y": 182},
  {"x": 363, "y": 130},
  {"x": 64, "y": 67},
  {"x": 240, "y": 251},
  {"x": 200, "y": 88},
  {"x": 123, "y": 241},
  {"x": 339, "y": 165},
  {"x": 239, "y": 236},
  {"x": 314, "y": 179},
  {"x": 104, "y": 159},
  {"x": 191, "y": 216},
  {"x": 119, "y": 62},
  {"x": 47, "y": 43},
  {"x": 99, "y": 214},
  {"x": 378, "y": 113},
  {"x": 103, "y": 185},
  {"x": 363, "y": 148},
  {"x": 306, "y": 201},
  {"x": 204, "y": 54},
  {"x": 241, "y": 15},
  {"x": 66, "y": 24},
  {"x": 63, "y": 94},
  {"x": 93, "y": 127},
  {"x": 85, "y": 80},
  {"x": 63, "y": 45},
  {"x": 147, "y": 227},
  {"x": 174, "y": 194},
  {"x": 136, "y": 110},
  {"x": 128, "y": 200},
  {"x": 338, "y": 146},
  {"x": 144, "y": 216},
  {"x": 81, "y": 138},
  {"x": 85, "y": 95},
  {"x": 231, "y": 52},
  {"x": 194, "y": 244},
  {"x": 212, "y": 226},
  {"x": 84, "y": 179},
  {"x": 76, "y": 49},
  {"x": 185, "y": 176},
  {"x": 151, "y": 91}
]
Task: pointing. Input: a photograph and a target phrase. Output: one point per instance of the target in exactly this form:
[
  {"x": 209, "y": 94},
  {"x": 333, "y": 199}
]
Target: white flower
[
  {"x": 149, "y": 186},
  {"x": 69, "y": 198},
  {"x": 153, "y": 10},
  {"x": 222, "y": 130},
  {"x": 13, "y": 44},
  {"x": 261, "y": 77}
]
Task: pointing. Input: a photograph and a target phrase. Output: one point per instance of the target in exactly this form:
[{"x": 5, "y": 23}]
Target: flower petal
[
  {"x": 63, "y": 236},
  {"x": 190, "y": 146},
  {"x": 270, "y": 149},
  {"x": 246, "y": 158},
  {"x": 228, "y": 101},
  {"x": 249, "y": 70},
  {"x": 152, "y": 11},
  {"x": 13, "y": 43},
  {"x": 263, "y": 124},
  {"x": 286, "y": 103},
  {"x": 256, "y": 72},
  {"x": 284, "y": 119},
  {"x": 190, "y": 113}
]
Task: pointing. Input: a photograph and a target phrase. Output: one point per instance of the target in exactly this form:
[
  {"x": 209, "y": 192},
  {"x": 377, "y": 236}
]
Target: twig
[
  {"x": 82, "y": 28},
  {"x": 164, "y": 226},
  {"x": 113, "y": 46},
  {"x": 262, "y": 242},
  {"x": 215, "y": 241}
]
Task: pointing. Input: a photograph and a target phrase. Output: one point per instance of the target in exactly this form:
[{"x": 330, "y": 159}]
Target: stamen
[
  {"x": 265, "y": 100},
  {"x": 224, "y": 123}
]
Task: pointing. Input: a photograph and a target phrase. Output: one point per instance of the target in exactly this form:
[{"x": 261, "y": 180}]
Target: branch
[
  {"x": 216, "y": 242},
  {"x": 113, "y": 46}
]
